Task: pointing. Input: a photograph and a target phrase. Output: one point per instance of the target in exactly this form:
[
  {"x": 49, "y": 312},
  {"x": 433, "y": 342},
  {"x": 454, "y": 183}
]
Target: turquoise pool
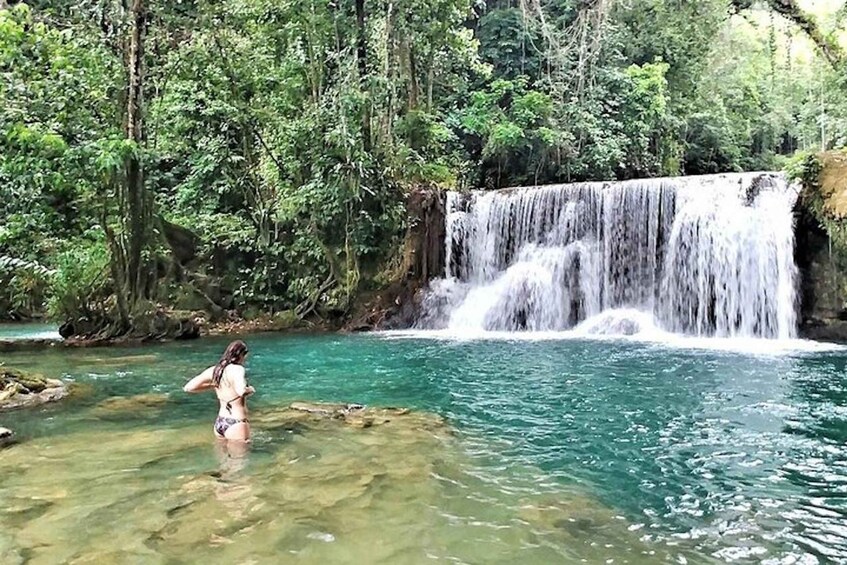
[{"x": 557, "y": 450}]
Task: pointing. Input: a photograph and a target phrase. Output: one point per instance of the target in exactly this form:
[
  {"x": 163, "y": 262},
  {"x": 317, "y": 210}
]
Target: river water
[{"x": 554, "y": 449}]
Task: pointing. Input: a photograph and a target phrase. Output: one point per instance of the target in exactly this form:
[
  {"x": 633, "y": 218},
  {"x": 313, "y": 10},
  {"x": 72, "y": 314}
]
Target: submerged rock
[
  {"x": 622, "y": 321},
  {"x": 7, "y": 436},
  {"x": 131, "y": 406},
  {"x": 352, "y": 415},
  {"x": 388, "y": 494},
  {"x": 20, "y": 390},
  {"x": 572, "y": 514},
  {"x": 123, "y": 360}
]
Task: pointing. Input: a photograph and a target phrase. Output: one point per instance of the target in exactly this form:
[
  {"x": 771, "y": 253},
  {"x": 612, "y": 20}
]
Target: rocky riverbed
[{"x": 320, "y": 483}]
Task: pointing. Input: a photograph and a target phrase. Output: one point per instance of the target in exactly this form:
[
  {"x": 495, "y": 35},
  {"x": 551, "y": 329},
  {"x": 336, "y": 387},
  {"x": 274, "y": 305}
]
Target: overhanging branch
[{"x": 826, "y": 43}]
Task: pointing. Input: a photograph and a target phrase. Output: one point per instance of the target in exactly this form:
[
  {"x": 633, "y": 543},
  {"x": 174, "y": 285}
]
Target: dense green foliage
[{"x": 287, "y": 135}]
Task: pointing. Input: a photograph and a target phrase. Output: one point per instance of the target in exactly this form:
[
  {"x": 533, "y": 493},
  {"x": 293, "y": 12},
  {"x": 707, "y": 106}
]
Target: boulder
[
  {"x": 7, "y": 437},
  {"x": 182, "y": 241},
  {"x": 67, "y": 329},
  {"x": 28, "y": 400},
  {"x": 20, "y": 390}
]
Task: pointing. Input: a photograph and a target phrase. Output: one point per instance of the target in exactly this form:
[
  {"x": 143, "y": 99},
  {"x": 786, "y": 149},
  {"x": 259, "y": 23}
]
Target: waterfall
[{"x": 709, "y": 255}]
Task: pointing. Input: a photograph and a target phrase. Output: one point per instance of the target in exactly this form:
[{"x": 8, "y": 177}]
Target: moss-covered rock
[
  {"x": 395, "y": 300},
  {"x": 29, "y": 382},
  {"x": 19, "y": 389},
  {"x": 313, "y": 414},
  {"x": 255, "y": 321},
  {"x": 138, "y": 406},
  {"x": 821, "y": 245}
]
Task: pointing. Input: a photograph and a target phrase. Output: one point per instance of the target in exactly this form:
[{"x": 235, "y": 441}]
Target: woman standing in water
[{"x": 229, "y": 382}]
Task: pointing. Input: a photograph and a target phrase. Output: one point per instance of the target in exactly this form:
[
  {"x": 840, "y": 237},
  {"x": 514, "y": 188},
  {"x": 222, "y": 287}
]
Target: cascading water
[{"x": 710, "y": 255}]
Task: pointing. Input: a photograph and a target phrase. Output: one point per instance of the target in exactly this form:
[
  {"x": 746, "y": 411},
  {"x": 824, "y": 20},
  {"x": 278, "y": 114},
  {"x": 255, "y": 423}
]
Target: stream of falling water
[{"x": 706, "y": 256}]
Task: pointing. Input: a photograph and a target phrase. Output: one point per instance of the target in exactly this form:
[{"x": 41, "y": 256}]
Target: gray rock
[
  {"x": 28, "y": 400},
  {"x": 7, "y": 436},
  {"x": 19, "y": 389}
]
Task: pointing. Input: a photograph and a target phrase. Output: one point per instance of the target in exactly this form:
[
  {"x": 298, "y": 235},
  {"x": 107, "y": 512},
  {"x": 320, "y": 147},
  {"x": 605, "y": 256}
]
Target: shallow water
[
  {"x": 554, "y": 450},
  {"x": 14, "y": 331}
]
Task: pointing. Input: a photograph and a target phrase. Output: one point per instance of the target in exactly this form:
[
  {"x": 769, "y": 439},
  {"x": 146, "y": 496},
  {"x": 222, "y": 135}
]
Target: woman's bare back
[
  {"x": 232, "y": 392},
  {"x": 232, "y": 422}
]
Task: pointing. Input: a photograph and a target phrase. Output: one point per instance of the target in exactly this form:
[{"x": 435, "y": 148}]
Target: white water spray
[{"x": 709, "y": 255}]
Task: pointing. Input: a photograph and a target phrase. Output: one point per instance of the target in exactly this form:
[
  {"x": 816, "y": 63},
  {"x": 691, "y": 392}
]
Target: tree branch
[{"x": 828, "y": 45}]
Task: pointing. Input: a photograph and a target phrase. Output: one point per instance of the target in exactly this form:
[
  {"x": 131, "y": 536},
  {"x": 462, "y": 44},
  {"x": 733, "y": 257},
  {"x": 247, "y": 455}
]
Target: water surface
[
  {"x": 35, "y": 330},
  {"x": 555, "y": 450}
]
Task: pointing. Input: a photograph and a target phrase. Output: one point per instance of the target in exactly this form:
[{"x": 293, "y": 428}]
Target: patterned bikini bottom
[{"x": 223, "y": 424}]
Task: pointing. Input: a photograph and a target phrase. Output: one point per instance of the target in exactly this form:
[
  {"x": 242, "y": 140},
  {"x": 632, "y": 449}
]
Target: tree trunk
[
  {"x": 429, "y": 87},
  {"x": 129, "y": 266},
  {"x": 413, "y": 79},
  {"x": 361, "y": 56},
  {"x": 139, "y": 208}
]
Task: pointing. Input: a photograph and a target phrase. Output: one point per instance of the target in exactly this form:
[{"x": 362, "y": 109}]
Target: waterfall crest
[{"x": 709, "y": 256}]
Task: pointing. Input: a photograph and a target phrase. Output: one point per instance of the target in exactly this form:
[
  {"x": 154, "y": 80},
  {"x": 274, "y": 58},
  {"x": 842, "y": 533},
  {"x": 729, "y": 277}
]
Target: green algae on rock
[
  {"x": 20, "y": 390},
  {"x": 353, "y": 415},
  {"x": 139, "y": 405}
]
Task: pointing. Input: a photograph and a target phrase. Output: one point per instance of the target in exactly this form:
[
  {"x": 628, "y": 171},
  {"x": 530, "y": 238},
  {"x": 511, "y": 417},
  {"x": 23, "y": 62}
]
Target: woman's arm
[{"x": 201, "y": 382}]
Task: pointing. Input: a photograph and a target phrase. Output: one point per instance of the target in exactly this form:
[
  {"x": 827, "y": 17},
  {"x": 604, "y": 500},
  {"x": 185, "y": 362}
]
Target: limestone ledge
[{"x": 9, "y": 345}]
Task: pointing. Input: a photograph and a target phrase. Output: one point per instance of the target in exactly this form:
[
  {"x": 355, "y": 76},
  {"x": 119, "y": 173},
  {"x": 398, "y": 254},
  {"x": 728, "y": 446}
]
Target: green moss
[
  {"x": 30, "y": 383},
  {"x": 820, "y": 176},
  {"x": 286, "y": 320}
]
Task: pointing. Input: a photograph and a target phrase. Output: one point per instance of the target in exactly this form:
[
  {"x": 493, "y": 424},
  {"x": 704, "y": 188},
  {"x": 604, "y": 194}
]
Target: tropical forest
[
  {"x": 468, "y": 281},
  {"x": 264, "y": 158}
]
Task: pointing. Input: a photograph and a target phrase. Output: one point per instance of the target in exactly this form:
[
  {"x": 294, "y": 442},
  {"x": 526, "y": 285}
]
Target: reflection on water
[
  {"x": 232, "y": 458},
  {"x": 552, "y": 451}
]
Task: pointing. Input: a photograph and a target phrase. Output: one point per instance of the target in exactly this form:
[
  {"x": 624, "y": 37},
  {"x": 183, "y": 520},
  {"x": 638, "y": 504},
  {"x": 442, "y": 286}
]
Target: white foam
[
  {"x": 625, "y": 326},
  {"x": 704, "y": 256}
]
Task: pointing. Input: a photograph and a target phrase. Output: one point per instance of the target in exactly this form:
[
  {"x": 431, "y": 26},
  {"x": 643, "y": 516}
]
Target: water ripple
[{"x": 726, "y": 456}]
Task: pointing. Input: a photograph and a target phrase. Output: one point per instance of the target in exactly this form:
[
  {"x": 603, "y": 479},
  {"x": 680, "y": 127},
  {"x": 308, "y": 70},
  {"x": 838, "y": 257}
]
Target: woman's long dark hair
[{"x": 234, "y": 353}]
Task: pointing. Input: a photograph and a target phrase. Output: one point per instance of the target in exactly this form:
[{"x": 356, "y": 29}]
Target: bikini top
[{"x": 229, "y": 403}]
